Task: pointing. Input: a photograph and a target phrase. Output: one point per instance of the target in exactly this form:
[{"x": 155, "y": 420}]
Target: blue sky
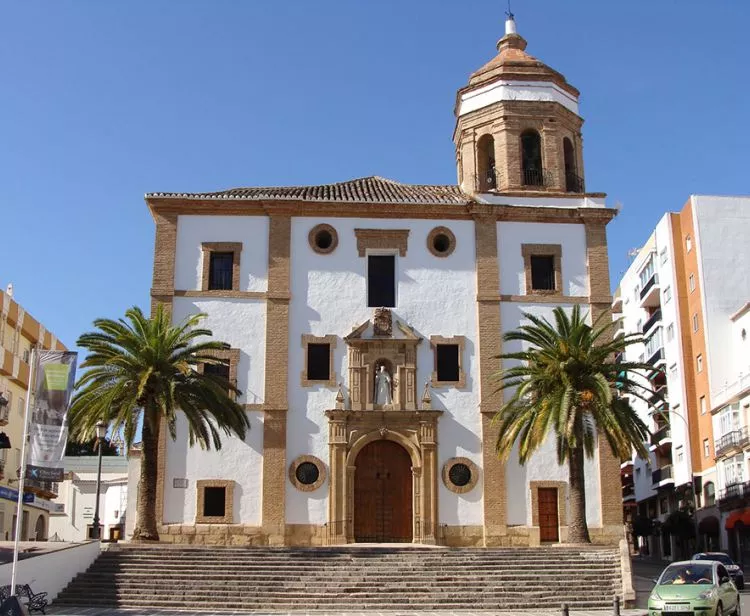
[{"x": 102, "y": 102}]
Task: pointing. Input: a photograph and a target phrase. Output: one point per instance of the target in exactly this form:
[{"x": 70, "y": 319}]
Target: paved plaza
[{"x": 543, "y": 612}]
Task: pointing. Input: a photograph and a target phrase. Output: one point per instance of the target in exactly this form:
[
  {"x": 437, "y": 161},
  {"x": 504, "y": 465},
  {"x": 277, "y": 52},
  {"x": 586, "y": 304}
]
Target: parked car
[
  {"x": 733, "y": 568},
  {"x": 697, "y": 587}
]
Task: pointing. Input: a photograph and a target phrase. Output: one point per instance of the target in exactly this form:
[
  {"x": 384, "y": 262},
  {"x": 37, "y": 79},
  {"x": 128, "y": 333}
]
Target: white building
[
  {"x": 73, "y": 518},
  {"x": 317, "y": 288},
  {"x": 685, "y": 293}
]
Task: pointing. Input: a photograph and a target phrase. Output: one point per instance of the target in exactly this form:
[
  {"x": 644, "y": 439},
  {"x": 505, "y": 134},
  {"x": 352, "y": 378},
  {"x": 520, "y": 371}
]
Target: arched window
[
  {"x": 709, "y": 495},
  {"x": 486, "y": 176},
  {"x": 531, "y": 159},
  {"x": 573, "y": 183}
]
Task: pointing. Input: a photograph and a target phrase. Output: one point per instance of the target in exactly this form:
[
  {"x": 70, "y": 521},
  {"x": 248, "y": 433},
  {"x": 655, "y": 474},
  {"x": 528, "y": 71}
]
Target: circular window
[
  {"x": 307, "y": 473},
  {"x": 441, "y": 242},
  {"x": 323, "y": 239},
  {"x": 460, "y": 475}
]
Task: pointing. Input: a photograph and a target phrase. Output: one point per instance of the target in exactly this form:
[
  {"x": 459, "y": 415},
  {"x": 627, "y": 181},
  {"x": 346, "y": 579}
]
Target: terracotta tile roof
[{"x": 371, "y": 189}]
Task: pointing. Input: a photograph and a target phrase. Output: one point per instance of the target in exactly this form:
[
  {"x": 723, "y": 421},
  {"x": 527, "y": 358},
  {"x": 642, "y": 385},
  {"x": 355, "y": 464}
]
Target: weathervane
[{"x": 509, "y": 13}]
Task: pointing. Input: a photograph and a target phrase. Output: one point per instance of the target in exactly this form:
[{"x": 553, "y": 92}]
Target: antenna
[{"x": 633, "y": 252}]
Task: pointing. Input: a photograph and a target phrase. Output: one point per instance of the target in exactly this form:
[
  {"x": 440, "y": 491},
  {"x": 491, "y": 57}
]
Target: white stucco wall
[
  {"x": 543, "y": 465},
  {"x": 252, "y": 231},
  {"x": 435, "y": 296},
  {"x": 516, "y": 91},
  {"x": 572, "y": 239},
  {"x": 241, "y": 324}
]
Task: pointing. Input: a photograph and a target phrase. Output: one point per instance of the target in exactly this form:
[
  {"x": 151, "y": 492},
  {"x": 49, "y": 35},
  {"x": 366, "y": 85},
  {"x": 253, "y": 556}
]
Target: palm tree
[
  {"x": 568, "y": 382},
  {"x": 144, "y": 370}
]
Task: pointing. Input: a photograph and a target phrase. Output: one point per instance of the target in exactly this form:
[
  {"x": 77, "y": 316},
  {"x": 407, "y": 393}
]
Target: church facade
[{"x": 365, "y": 319}]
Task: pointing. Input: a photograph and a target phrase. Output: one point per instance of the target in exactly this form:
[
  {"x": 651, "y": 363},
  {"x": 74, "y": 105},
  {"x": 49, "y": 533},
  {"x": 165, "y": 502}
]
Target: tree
[
  {"x": 568, "y": 382},
  {"x": 90, "y": 448},
  {"x": 146, "y": 369}
]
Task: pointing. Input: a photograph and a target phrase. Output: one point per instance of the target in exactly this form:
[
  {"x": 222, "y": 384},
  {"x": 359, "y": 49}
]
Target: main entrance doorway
[
  {"x": 549, "y": 529},
  {"x": 383, "y": 494}
]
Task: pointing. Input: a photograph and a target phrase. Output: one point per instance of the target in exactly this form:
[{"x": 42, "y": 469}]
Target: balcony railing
[
  {"x": 573, "y": 183},
  {"x": 536, "y": 177},
  {"x": 486, "y": 180},
  {"x": 660, "y": 474},
  {"x": 656, "y": 357},
  {"x": 647, "y": 287},
  {"x": 734, "y": 491},
  {"x": 4, "y": 414},
  {"x": 736, "y": 439},
  {"x": 45, "y": 488},
  {"x": 628, "y": 492},
  {"x": 661, "y": 434},
  {"x": 653, "y": 320}
]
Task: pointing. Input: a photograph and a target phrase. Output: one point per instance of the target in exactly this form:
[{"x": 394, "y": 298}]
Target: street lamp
[{"x": 101, "y": 432}]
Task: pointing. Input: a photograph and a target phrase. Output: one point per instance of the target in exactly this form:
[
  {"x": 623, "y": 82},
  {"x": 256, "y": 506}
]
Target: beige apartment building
[{"x": 19, "y": 332}]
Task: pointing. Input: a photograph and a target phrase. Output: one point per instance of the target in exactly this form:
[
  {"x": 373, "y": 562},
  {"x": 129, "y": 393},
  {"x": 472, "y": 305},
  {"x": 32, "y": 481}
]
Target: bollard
[
  {"x": 565, "y": 610},
  {"x": 616, "y": 607}
]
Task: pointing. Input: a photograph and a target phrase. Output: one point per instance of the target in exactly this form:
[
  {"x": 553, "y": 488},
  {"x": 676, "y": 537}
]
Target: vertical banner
[{"x": 48, "y": 428}]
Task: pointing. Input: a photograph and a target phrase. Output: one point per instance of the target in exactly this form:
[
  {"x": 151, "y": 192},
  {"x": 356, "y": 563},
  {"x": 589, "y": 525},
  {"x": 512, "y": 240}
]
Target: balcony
[
  {"x": 617, "y": 302},
  {"x": 45, "y": 489},
  {"x": 653, "y": 320},
  {"x": 650, "y": 293},
  {"x": 619, "y": 328},
  {"x": 659, "y": 399},
  {"x": 536, "y": 177},
  {"x": 626, "y": 468},
  {"x": 733, "y": 496},
  {"x": 657, "y": 358},
  {"x": 628, "y": 493},
  {"x": 662, "y": 477},
  {"x": 663, "y": 436},
  {"x": 732, "y": 442}
]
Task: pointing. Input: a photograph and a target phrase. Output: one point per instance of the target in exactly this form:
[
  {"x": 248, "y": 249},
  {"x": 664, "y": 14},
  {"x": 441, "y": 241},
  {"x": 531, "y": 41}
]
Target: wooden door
[
  {"x": 548, "y": 520},
  {"x": 383, "y": 494}
]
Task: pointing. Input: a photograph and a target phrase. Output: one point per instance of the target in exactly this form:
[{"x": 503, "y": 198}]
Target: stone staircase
[{"x": 347, "y": 578}]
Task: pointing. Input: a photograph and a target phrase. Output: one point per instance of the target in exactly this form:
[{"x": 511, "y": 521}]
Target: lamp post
[{"x": 101, "y": 432}]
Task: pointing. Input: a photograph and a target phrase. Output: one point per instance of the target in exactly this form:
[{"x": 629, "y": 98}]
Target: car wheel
[{"x": 719, "y": 611}]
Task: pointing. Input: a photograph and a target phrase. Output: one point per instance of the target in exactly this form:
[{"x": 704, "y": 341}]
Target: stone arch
[
  {"x": 40, "y": 529},
  {"x": 388, "y": 435}
]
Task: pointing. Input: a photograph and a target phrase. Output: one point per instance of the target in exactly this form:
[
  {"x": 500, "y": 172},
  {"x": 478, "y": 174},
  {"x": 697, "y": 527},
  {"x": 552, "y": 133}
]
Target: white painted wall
[
  {"x": 241, "y": 324},
  {"x": 572, "y": 238},
  {"x": 436, "y": 296},
  {"x": 503, "y": 90},
  {"x": 53, "y": 571},
  {"x": 543, "y": 465},
  {"x": 252, "y": 231}
]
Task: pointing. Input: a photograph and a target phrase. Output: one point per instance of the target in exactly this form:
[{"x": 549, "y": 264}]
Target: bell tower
[{"x": 517, "y": 126}]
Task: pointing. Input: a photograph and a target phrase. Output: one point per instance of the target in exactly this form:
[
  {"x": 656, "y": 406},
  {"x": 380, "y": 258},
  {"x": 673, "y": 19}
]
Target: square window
[
  {"x": 542, "y": 272},
  {"x": 688, "y": 243},
  {"x": 318, "y": 362},
  {"x": 699, "y": 363},
  {"x": 680, "y": 454},
  {"x": 381, "y": 281},
  {"x": 667, "y": 294},
  {"x": 695, "y": 322},
  {"x": 220, "y": 270},
  {"x": 214, "y": 502},
  {"x": 447, "y": 362},
  {"x": 663, "y": 255},
  {"x": 706, "y": 448},
  {"x": 670, "y": 332},
  {"x": 703, "y": 405},
  {"x": 219, "y": 370},
  {"x": 691, "y": 282}
]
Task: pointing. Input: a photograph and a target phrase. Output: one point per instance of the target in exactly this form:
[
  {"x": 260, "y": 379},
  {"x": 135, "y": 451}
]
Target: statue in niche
[
  {"x": 383, "y": 393},
  {"x": 382, "y": 322}
]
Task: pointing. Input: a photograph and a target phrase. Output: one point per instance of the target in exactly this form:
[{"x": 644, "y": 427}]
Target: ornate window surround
[
  {"x": 227, "y": 518},
  {"x": 207, "y": 248},
  {"x": 381, "y": 239},
  {"x": 543, "y": 250},
  {"x": 329, "y": 340},
  {"x": 452, "y": 486},
  {"x": 460, "y": 341},
  {"x": 322, "y": 473}
]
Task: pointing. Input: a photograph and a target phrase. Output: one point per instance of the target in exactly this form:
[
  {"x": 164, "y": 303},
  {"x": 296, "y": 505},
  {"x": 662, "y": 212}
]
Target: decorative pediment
[{"x": 381, "y": 327}]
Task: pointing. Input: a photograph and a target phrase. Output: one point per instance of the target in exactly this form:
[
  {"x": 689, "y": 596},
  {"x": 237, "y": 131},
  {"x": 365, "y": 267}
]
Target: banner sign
[
  {"x": 48, "y": 428},
  {"x": 12, "y": 495}
]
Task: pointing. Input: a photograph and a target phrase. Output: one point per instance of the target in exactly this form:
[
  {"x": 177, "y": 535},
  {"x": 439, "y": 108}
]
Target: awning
[
  {"x": 743, "y": 515},
  {"x": 709, "y": 526}
]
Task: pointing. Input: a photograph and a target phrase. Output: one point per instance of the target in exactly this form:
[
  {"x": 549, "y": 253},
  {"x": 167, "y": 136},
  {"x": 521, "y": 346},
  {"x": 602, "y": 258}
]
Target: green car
[{"x": 694, "y": 588}]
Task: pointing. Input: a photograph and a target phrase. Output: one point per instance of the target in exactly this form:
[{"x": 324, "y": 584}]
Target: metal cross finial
[{"x": 509, "y": 12}]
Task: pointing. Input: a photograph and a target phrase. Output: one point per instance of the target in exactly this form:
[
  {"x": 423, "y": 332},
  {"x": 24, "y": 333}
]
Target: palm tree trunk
[
  {"x": 578, "y": 530},
  {"x": 146, "y": 527}
]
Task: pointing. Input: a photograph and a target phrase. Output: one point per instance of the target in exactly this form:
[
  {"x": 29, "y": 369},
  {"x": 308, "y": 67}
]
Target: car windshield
[
  {"x": 722, "y": 558},
  {"x": 687, "y": 574}
]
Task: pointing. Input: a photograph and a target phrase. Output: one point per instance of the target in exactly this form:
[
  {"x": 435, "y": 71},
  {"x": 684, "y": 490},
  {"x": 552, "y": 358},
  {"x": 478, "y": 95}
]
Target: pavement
[
  {"x": 28, "y": 549},
  {"x": 542, "y": 612}
]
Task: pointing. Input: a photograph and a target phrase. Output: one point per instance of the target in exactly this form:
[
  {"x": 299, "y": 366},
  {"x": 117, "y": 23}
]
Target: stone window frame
[
  {"x": 562, "y": 500},
  {"x": 322, "y": 473},
  {"x": 452, "y": 486},
  {"x": 543, "y": 250},
  {"x": 334, "y": 239},
  {"x": 330, "y": 340},
  {"x": 431, "y": 239},
  {"x": 382, "y": 239},
  {"x": 206, "y": 249},
  {"x": 232, "y": 355},
  {"x": 435, "y": 341},
  {"x": 228, "y": 517}
]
